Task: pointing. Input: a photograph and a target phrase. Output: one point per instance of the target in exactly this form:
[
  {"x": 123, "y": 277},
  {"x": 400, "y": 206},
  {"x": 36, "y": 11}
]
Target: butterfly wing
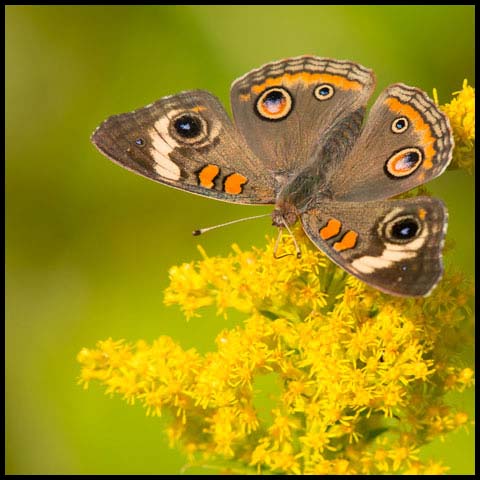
[
  {"x": 187, "y": 141},
  {"x": 394, "y": 246},
  {"x": 406, "y": 141},
  {"x": 284, "y": 108}
]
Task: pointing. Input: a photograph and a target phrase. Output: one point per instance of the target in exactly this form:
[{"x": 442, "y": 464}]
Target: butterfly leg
[
  {"x": 275, "y": 248},
  {"x": 277, "y": 241}
]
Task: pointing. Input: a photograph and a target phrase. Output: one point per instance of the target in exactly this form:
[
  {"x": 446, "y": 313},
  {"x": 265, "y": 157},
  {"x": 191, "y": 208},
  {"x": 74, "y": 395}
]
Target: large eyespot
[
  {"x": 188, "y": 128},
  {"x": 400, "y": 124},
  {"x": 323, "y": 92},
  {"x": 403, "y": 229},
  {"x": 403, "y": 163},
  {"x": 274, "y": 104},
  {"x": 140, "y": 142}
]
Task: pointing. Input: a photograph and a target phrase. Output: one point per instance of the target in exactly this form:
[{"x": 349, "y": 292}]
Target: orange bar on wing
[
  {"x": 234, "y": 183},
  {"x": 349, "y": 240},
  {"x": 198, "y": 108},
  {"x": 308, "y": 78},
  {"x": 207, "y": 175},
  {"x": 331, "y": 229}
]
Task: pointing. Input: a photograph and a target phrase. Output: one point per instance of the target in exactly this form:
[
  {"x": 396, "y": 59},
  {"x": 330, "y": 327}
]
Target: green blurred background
[{"x": 89, "y": 244}]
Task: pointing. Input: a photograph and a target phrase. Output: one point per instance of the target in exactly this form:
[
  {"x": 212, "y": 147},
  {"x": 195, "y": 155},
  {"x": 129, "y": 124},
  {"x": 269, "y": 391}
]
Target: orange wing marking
[
  {"x": 349, "y": 240},
  {"x": 419, "y": 125},
  {"x": 308, "y": 79},
  {"x": 331, "y": 229},
  {"x": 207, "y": 175},
  {"x": 234, "y": 183},
  {"x": 422, "y": 213}
]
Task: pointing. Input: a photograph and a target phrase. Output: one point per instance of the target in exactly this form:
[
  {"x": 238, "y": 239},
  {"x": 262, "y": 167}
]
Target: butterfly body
[{"x": 300, "y": 141}]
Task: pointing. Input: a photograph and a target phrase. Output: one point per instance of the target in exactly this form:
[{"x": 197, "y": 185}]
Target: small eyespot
[
  {"x": 274, "y": 104},
  {"x": 400, "y": 124},
  {"x": 140, "y": 142},
  {"x": 403, "y": 229},
  {"x": 403, "y": 163},
  {"x": 187, "y": 126},
  {"x": 323, "y": 92}
]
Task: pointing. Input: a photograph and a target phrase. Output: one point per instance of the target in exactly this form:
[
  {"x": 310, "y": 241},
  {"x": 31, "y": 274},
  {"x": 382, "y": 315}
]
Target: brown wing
[
  {"x": 394, "y": 245},
  {"x": 187, "y": 141},
  {"x": 284, "y": 108},
  {"x": 406, "y": 141}
]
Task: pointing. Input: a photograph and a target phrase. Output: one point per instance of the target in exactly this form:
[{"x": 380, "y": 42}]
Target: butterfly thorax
[
  {"x": 288, "y": 209},
  {"x": 311, "y": 184},
  {"x": 296, "y": 196}
]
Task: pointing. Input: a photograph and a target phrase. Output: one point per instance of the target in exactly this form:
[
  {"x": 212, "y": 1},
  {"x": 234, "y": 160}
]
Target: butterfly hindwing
[
  {"x": 393, "y": 245},
  {"x": 187, "y": 141}
]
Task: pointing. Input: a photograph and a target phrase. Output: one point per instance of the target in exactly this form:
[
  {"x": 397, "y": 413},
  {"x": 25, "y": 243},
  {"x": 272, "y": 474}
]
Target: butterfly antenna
[{"x": 203, "y": 230}]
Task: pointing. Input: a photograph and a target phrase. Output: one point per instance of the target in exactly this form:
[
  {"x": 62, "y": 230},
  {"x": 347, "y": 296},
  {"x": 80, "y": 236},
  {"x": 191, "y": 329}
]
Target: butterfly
[{"x": 299, "y": 142}]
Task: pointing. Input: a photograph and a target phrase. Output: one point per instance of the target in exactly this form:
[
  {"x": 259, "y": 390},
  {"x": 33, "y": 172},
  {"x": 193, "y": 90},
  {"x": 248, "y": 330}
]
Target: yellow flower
[
  {"x": 461, "y": 113},
  {"x": 361, "y": 374},
  {"x": 403, "y": 455}
]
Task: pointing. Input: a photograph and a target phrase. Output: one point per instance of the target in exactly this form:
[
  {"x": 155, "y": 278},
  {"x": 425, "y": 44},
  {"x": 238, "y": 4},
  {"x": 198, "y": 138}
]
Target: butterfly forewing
[{"x": 187, "y": 141}]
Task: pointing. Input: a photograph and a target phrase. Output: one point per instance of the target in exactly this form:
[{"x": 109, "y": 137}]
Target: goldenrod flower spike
[
  {"x": 361, "y": 375},
  {"x": 461, "y": 113}
]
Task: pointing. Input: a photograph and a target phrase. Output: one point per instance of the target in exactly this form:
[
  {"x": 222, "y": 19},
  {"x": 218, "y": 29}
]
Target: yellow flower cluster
[
  {"x": 461, "y": 113},
  {"x": 359, "y": 377}
]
